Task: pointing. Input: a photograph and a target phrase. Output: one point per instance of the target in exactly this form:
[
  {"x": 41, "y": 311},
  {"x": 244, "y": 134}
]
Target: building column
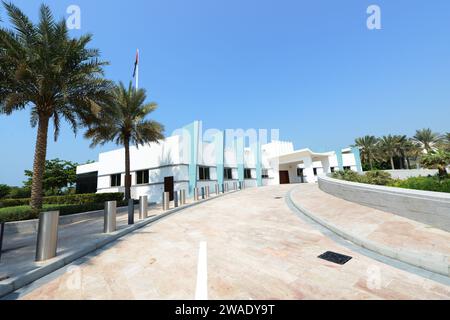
[
  {"x": 191, "y": 135},
  {"x": 308, "y": 170},
  {"x": 240, "y": 157},
  {"x": 357, "y": 155},
  {"x": 340, "y": 160},
  {"x": 219, "y": 140}
]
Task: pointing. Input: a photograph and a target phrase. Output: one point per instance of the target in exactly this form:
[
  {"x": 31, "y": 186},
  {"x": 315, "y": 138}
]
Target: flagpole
[{"x": 137, "y": 71}]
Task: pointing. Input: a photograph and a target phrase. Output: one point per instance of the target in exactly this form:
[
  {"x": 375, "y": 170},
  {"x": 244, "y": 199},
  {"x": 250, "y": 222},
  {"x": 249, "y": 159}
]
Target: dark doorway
[
  {"x": 284, "y": 177},
  {"x": 169, "y": 187}
]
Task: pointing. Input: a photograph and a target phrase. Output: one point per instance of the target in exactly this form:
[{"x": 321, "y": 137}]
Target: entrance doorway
[
  {"x": 284, "y": 177},
  {"x": 169, "y": 187}
]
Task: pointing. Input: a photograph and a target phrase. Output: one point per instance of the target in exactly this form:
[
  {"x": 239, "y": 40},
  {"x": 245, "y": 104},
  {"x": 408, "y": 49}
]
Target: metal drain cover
[
  {"x": 335, "y": 257},
  {"x": 278, "y": 198}
]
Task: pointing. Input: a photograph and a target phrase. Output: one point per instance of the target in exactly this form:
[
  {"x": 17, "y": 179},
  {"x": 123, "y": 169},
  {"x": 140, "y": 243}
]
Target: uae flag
[{"x": 136, "y": 64}]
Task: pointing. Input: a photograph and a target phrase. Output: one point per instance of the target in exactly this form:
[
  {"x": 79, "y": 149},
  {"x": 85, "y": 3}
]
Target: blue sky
[{"x": 310, "y": 68}]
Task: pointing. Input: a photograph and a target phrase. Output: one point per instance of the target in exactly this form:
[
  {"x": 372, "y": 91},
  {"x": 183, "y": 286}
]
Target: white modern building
[{"x": 192, "y": 159}]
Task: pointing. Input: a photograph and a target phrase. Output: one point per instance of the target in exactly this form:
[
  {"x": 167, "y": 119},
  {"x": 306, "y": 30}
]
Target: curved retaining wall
[{"x": 432, "y": 208}]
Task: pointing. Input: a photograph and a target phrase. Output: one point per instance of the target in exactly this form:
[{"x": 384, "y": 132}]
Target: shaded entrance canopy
[{"x": 300, "y": 155}]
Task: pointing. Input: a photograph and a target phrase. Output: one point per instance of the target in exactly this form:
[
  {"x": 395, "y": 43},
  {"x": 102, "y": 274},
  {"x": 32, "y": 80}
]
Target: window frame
[
  {"x": 144, "y": 176},
  {"x": 204, "y": 173},
  {"x": 115, "y": 180},
  {"x": 225, "y": 175},
  {"x": 249, "y": 175}
]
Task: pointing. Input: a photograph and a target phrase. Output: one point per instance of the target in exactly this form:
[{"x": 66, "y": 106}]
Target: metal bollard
[
  {"x": 143, "y": 207},
  {"x": 216, "y": 186},
  {"x": 175, "y": 199},
  {"x": 235, "y": 186},
  {"x": 130, "y": 211},
  {"x": 195, "y": 194},
  {"x": 203, "y": 193},
  {"x": 166, "y": 201},
  {"x": 110, "y": 215},
  {"x": 226, "y": 187},
  {"x": 182, "y": 197},
  {"x": 47, "y": 237},
  {"x": 207, "y": 192}
]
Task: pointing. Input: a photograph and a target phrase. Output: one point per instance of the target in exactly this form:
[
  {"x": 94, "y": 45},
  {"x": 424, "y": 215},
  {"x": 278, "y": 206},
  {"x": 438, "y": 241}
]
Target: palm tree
[
  {"x": 402, "y": 147},
  {"x": 439, "y": 159},
  {"x": 56, "y": 76},
  {"x": 123, "y": 122},
  {"x": 389, "y": 146},
  {"x": 368, "y": 146},
  {"x": 412, "y": 151},
  {"x": 427, "y": 139}
]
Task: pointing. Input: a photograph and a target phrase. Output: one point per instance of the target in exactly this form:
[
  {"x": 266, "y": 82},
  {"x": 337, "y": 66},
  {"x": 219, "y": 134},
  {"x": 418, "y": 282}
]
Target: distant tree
[
  {"x": 123, "y": 121},
  {"x": 19, "y": 193},
  {"x": 427, "y": 139},
  {"x": 4, "y": 190},
  {"x": 368, "y": 145},
  {"x": 57, "y": 77},
  {"x": 389, "y": 147},
  {"x": 439, "y": 159},
  {"x": 59, "y": 175}
]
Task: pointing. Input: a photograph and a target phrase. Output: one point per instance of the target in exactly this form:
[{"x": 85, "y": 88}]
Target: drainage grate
[
  {"x": 335, "y": 257},
  {"x": 278, "y": 198}
]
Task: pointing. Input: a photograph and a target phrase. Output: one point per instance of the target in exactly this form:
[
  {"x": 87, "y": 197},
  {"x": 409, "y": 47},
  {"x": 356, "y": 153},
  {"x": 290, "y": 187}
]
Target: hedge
[
  {"x": 424, "y": 183},
  {"x": 73, "y": 199},
  {"x": 20, "y": 213}
]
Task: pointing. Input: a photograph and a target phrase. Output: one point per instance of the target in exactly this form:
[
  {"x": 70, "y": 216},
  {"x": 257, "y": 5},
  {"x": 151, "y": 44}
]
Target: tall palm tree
[
  {"x": 389, "y": 147},
  {"x": 413, "y": 151},
  {"x": 368, "y": 146},
  {"x": 428, "y": 139},
  {"x": 123, "y": 122},
  {"x": 402, "y": 146},
  {"x": 56, "y": 76}
]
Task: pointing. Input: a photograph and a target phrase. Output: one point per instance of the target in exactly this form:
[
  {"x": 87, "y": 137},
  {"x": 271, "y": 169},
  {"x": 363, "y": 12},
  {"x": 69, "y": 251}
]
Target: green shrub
[
  {"x": 377, "y": 177},
  {"x": 20, "y": 213},
  {"x": 424, "y": 183},
  {"x": 347, "y": 175},
  {"x": 66, "y": 199}
]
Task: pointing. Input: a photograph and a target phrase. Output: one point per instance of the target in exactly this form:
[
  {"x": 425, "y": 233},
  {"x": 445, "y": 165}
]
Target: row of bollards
[{"x": 47, "y": 237}]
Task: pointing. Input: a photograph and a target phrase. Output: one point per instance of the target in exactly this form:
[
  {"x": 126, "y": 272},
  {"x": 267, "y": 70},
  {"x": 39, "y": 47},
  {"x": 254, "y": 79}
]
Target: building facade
[{"x": 190, "y": 158}]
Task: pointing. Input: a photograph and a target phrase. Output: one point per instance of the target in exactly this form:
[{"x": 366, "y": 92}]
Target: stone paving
[
  {"x": 257, "y": 248},
  {"x": 384, "y": 229},
  {"x": 19, "y": 249}
]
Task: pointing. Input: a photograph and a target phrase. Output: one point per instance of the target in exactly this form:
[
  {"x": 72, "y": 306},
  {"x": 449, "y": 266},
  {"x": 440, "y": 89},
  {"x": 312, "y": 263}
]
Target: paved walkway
[
  {"x": 385, "y": 230},
  {"x": 19, "y": 249},
  {"x": 256, "y": 248}
]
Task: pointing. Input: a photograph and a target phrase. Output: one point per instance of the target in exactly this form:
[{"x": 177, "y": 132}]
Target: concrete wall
[
  {"x": 432, "y": 208},
  {"x": 405, "y": 174}
]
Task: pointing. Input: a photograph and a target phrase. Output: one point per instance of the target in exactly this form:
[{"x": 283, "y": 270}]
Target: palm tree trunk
[
  {"x": 40, "y": 153},
  {"x": 127, "y": 170},
  {"x": 371, "y": 164},
  {"x": 392, "y": 163}
]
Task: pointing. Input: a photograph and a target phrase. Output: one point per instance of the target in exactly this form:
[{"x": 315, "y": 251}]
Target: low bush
[
  {"x": 424, "y": 183},
  {"x": 347, "y": 175},
  {"x": 377, "y": 177},
  {"x": 72, "y": 199},
  {"x": 19, "y": 213}
]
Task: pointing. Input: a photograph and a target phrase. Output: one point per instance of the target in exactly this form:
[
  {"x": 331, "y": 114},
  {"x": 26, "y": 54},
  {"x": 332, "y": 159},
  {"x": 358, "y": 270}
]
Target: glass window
[
  {"x": 203, "y": 173},
  {"x": 347, "y": 168},
  {"x": 142, "y": 177},
  {"x": 265, "y": 173},
  {"x": 115, "y": 180},
  {"x": 315, "y": 171},
  {"x": 299, "y": 172},
  {"x": 228, "y": 173},
  {"x": 247, "y": 173},
  {"x": 332, "y": 169}
]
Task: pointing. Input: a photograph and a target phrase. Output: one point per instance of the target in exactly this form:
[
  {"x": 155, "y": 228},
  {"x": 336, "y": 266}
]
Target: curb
[
  {"x": 10, "y": 285},
  {"x": 437, "y": 263}
]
